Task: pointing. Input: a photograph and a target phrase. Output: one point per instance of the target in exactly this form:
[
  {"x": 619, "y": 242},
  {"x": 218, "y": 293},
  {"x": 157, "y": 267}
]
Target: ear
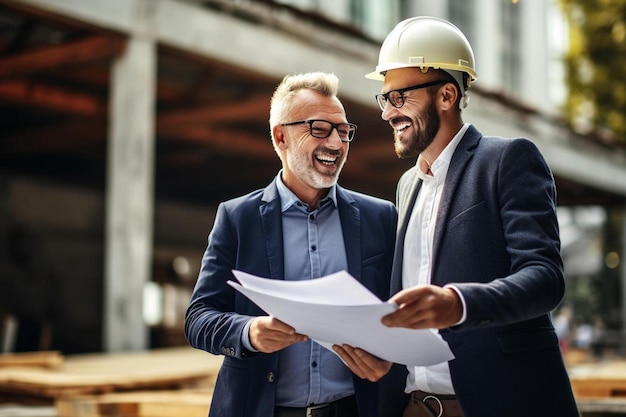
[
  {"x": 449, "y": 94},
  {"x": 278, "y": 134}
]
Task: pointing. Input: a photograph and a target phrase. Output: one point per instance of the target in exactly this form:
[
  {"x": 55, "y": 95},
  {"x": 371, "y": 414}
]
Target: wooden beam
[
  {"x": 256, "y": 108},
  {"x": 227, "y": 141},
  {"x": 95, "y": 48},
  {"x": 49, "y": 97}
]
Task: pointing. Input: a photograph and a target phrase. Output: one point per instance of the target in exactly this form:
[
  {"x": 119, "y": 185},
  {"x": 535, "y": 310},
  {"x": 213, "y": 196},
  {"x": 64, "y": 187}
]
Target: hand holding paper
[
  {"x": 337, "y": 309},
  {"x": 269, "y": 335}
]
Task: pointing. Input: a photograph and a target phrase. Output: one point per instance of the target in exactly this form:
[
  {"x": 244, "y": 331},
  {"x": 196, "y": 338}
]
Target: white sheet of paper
[
  {"x": 338, "y": 309},
  {"x": 339, "y": 288}
]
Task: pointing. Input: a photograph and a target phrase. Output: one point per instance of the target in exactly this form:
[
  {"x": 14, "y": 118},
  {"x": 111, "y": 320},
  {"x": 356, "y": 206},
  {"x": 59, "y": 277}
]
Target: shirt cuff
[
  {"x": 458, "y": 292},
  {"x": 245, "y": 337}
]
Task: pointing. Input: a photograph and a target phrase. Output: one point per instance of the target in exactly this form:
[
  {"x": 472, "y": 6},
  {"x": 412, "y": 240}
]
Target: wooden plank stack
[
  {"x": 183, "y": 403},
  {"x": 603, "y": 379},
  {"x": 49, "y": 359},
  {"x": 599, "y": 387},
  {"x": 165, "y": 382}
]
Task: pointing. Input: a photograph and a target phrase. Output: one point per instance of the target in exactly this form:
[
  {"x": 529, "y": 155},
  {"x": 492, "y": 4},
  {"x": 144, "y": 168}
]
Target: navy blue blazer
[
  {"x": 247, "y": 236},
  {"x": 497, "y": 240}
]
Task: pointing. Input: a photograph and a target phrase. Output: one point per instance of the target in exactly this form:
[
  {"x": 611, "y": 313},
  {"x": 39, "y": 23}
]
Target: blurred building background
[{"x": 123, "y": 123}]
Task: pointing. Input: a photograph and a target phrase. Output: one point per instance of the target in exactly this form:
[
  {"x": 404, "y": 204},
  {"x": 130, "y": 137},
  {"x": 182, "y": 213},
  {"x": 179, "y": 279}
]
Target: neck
[
  {"x": 426, "y": 166},
  {"x": 444, "y": 136}
]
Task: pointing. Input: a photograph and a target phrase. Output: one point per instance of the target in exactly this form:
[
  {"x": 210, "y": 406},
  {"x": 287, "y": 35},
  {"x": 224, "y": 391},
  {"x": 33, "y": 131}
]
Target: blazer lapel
[
  {"x": 406, "y": 202},
  {"x": 351, "y": 229},
  {"x": 271, "y": 220},
  {"x": 407, "y": 194},
  {"x": 461, "y": 157}
]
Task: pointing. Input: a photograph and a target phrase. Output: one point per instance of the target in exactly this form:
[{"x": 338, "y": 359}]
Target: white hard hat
[{"x": 426, "y": 42}]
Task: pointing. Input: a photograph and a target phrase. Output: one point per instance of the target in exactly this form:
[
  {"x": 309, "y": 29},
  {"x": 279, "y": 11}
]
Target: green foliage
[{"x": 596, "y": 67}]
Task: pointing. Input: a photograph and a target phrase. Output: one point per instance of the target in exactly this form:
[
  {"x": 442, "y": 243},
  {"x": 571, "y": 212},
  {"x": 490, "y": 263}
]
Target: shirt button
[
  {"x": 312, "y": 216},
  {"x": 314, "y": 364},
  {"x": 313, "y": 248},
  {"x": 271, "y": 377}
]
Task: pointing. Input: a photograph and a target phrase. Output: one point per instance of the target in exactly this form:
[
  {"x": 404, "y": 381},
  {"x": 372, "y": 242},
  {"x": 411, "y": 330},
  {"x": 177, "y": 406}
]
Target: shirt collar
[{"x": 288, "y": 198}]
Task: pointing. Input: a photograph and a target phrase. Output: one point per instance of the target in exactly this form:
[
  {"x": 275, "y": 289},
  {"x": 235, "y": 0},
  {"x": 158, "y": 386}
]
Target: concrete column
[
  {"x": 129, "y": 196},
  {"x": 535, "y": 62},
  {"x": 380, "y": 16},
  {"x": 487, "y": 47}
]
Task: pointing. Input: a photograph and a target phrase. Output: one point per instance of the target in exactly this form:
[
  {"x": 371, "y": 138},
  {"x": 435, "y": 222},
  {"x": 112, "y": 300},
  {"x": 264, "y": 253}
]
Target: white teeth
[
  {"x": 327, "y": 160},
  {"x": 401, "y": 127}
]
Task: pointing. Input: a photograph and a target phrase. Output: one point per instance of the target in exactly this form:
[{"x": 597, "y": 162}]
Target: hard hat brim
[
  {"x": 378, "y": 74},
  {"x": 375, "y": 75}
]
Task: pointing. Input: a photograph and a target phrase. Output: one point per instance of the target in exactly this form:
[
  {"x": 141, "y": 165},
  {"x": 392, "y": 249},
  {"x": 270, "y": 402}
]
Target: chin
[
  {"x": 321, "y": 181},
  {"x": 400, "y": 150},
  {"x": 328, "y": 182}
]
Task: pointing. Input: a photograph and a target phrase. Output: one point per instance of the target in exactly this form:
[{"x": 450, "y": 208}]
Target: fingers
[
  {"x": 423, "y": 307},
  {"x": 362, "y": 363},
  {"x": 268, "y": 334},
  {"x": 412, "y": 312}
]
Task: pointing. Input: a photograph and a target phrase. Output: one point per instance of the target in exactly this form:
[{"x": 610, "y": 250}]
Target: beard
[
  {"x": 308, "y": 172},
  {"x": 425, "y": 130}
]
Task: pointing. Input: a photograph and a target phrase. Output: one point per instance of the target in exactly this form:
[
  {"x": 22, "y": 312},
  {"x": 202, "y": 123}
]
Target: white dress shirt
[{"x": 417, "y": 259}]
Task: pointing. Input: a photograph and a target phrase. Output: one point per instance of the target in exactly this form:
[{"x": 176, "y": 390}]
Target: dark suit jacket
[
  {"x": 497, "y": 240},
  {"x": 247, "y": 235}
]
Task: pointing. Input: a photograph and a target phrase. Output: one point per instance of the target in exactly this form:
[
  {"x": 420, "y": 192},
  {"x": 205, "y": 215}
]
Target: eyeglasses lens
[
  {"x": 322, "y": 129},
  {"x": 394, "y": 97}
]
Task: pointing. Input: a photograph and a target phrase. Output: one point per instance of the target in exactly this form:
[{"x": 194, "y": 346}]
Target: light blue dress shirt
[{"x": 313, "y": 247}]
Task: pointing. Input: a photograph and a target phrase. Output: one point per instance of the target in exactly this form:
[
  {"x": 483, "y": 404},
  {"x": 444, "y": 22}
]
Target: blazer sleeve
[
  {"x": 211, "y": 321},
  {"x": 528, "y": 254}
]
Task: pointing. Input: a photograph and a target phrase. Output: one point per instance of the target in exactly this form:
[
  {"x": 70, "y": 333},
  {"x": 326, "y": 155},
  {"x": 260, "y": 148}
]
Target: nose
[
  {"x": 387, "y": 111},
  {"x": 334, "y": 141}
]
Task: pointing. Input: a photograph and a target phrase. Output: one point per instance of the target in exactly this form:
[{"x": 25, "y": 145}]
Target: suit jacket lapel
[
  {"x": 406, "y": 202},
  {"x": 461, "y": 157},
  {"x": 407, "y": 194},
  {"x": 351, "y": 228},
  {"x": 269, "y": 211}
]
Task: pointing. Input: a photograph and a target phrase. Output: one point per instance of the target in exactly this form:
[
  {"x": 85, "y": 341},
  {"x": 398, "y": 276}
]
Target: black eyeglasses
[
  {"x": 396, "y": 97},
  {"x": 321, "y": 129}
]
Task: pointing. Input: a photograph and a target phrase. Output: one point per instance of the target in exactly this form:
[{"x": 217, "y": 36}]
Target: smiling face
[
  {"x": 311, "y": 165},
  {"x": 417, "y": 122}
]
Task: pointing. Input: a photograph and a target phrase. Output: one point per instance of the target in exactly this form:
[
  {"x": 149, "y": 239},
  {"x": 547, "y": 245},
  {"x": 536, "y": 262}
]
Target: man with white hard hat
[{"x": 478, "y": 250}]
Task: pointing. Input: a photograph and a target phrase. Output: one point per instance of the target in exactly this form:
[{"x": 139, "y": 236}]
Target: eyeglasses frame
[
  {"x": 401, "y": 91},
  {"x": 334, "y": 126}
]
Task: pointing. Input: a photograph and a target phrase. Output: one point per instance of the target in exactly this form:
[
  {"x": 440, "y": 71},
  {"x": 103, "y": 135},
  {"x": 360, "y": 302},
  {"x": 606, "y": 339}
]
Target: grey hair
[{"x": 321, "y": 82}]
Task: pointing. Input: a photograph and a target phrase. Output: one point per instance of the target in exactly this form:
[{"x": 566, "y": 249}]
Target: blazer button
[
  {"x": 228, "y": 351},
  {"x": 271, "y": 377}
]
